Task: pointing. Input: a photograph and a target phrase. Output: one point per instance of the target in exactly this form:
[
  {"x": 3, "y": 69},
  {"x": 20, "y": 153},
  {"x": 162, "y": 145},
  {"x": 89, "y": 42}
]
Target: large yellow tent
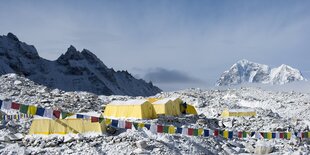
[
  {"x": 152, "y": 99},
  {"x": 238, "y": 113},
  {"x": 137, "y": 109},
  {"x": 187, "y": 109},
  {"x": 48, "y": 126},
  {"x": 167, "y": 107}
]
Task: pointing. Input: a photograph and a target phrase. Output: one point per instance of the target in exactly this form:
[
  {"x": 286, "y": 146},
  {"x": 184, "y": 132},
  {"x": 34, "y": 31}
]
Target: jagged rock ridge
[{"x": 72, "y": 71}]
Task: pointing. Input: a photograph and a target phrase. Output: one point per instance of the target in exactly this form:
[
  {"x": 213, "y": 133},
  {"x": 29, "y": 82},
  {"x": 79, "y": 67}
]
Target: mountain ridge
[{"x": 71, "y": 71}]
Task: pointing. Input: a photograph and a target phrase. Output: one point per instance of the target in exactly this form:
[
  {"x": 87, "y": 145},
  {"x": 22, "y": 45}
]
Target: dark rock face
[{"x": 72, "y": 71}]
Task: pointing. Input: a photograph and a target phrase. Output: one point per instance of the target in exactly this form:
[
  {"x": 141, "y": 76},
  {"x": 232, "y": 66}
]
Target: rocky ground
[{"x": 276, "y": 111}]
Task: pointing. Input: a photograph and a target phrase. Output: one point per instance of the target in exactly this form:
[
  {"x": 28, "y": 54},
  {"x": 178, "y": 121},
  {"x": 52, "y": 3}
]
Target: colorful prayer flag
[
  {"x": 195, "y": 132},
  {"x": 148, "y": 126},
  {"x": 108, "y": 121},
  {"x": 0, "y": 104},
  {"x": 140, "y": 125},
  {"x": 94, "y": 119},
  {"x": 206, "y": 133},
  {"x": 23, "y": 108},
  {"x": 128, "y": 125},
  {"x": 15, "y": 106},
  {"x": 79, "y": 116},
  {"x": 56, "y": 114},
  {"x": 230, "y": 134},
  {"x": 136, "y": 125},
  {"x": 190, "y": 131},
  {"x": 166, "y": 129},
  {"x": 216, "y": 133},
  {"x": 40, "y": 111},
  {"x": 171, "y": 129},
  {"x": 225, "y": 134},
  {"x": 121, "y": 124},
  {"x": 179, "y": 130},
  {"x": 32, "y": 110},
  {"x": 160, "y": 128},
  {"x": 200, "y": 132},
  {"x": 114, "y": 123}
]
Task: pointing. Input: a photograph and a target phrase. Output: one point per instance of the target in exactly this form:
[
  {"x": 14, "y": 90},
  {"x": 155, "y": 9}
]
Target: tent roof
[
  {"x": 129, "y": 102},
  {"x": 163, "y": 101}
]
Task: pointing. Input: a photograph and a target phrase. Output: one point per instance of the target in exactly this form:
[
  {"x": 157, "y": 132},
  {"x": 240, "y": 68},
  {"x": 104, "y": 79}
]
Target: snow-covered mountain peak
[{"x": 245, "y": 71}]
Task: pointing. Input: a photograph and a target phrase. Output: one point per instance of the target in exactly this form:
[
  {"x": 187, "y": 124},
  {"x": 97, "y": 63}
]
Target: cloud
[{"x": 161, "y": 75}]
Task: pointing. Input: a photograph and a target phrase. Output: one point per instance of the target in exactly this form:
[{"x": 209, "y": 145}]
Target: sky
[{"x": 176, "y": 44}]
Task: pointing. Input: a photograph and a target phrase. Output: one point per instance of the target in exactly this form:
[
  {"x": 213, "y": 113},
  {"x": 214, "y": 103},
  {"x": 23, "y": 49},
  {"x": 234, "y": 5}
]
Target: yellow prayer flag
[
  {"x": 269, "y": 135},
  {"x": 308, "y": 134},
  {"x": 289, "y": 135},
  {"x": 171, "y": 130},
  {"x": 200, "y": 131},
  {"x": 140, "y": 125},
  {"x": 32, "y": 110},
  {"x": 107, "y": 121},
  {"x": 225, "y": 134}
]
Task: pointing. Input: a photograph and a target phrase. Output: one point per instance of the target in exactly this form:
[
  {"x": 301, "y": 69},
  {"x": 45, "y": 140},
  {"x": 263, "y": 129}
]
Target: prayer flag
[
  {"x": 128, "y": 125},
  {"x": 148, "y": 126},
  {"x": 206, "y": 133},
  {"x": 79, "y": 116},
  {"x": 225, "y": 134},
  {"x": 140, "y": 125},
  {"x": 94, "y": 119},
  {"x": 101, "y": 119},
  {"x": 273, "y": 135},
  {"x": 107, "y": 121},
  {"x": 32, "y": 110},
  {"x": 171, "y": 129},
  {"x": 230, "y": 134},
  {"x": 23, "y": 108},
  {"x": 136, "y": 125},
  {"x": 190, "y": 131},
  {"x": 121, "y": 124},
  {"x": 195, "y": 132},
  {"x": 166, "y": 129},
  {"x": 0, "y": 104},
  {"x": 282, "y": 135},
  {"x": 153, "y": 128},
  {"x": 40, "y": 111},
  {"x": 179, "y": 130},
  {"x": 160, "y": 128},
  {"x": 216, "y": 133},
  {"x": 15, "y": 106},
  {"x": 56, "y": 114},
  {"x": 6, "y": 105},
  {"x": 114, "y": 123},
  {"x": 200, "y": 131},
  {"x": 184, "y": 131}
]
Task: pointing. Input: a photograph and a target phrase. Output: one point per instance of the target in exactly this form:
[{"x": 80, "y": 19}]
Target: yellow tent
[
  {"x": 48, "y": 126},
  {"x": 138, "y": 109},
  {"x": 238, "y": 113},
  {"x": 167, "y": 107},
  {"x": 188, "y": 109}
]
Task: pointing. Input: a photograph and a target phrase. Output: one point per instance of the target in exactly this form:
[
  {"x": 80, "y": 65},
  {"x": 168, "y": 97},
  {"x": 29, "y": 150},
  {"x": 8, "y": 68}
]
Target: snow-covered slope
[
  {"x": 72, "y": 71},
  {"x": 245, "y": 71}
]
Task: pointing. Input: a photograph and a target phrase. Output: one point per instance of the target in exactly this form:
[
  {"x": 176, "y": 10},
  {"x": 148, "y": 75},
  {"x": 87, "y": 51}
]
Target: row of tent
[
  {"x": 132, "y": 109},
  {"x": 148, "y": 108}
]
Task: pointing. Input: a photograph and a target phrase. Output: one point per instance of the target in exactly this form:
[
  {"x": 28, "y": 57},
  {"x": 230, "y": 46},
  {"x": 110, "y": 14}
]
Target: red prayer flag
[
  {"x": 128, "y": 125},
  {"x": 240, "y": 134},
  {"x": 190, "y": 131},
  {"x": 15, "y": 105},
  {"x": 94, "y": 119},
  {"x": 216, "y": 132},
  {"x": 160, "y": 128},
  {"x": 56, "y": 113}
]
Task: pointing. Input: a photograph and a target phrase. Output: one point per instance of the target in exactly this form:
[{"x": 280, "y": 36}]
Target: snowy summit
[
  {"x": 72, "y": 71},
  {"x": 245, "y": 71}
]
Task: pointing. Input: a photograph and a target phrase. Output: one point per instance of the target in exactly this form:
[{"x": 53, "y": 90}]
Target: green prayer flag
[
  {"x": 285, "y": 135},
  {"x": 23, "y": 108},
  {"x": 244, "y": 134},
  {"x": 135, "y": 125},
  {"x": 101, "y": 119},
  {"x": 265, "y": 135},
  {"x": 195, "y": 132},
  {"x": 64, "y": 115},
  {"x": 221, "y": 132},
  {"x": 166, "y": 129}
]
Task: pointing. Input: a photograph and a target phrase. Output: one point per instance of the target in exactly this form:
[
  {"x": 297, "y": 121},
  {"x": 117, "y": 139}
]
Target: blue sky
[{"x": 175, "y": 43}]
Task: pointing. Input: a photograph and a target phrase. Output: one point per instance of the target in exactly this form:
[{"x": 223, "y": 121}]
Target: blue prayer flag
[
  {"x": 79, "y": 116},
  {"x": 114, "y": 123},
  {"x": 148, "y": 126},
  {"x": 40, "y": 111},
  {"x": 0, "y": 104},
  {"x": 206, "y": 133},
  {"x": 179, "y": 130}
]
